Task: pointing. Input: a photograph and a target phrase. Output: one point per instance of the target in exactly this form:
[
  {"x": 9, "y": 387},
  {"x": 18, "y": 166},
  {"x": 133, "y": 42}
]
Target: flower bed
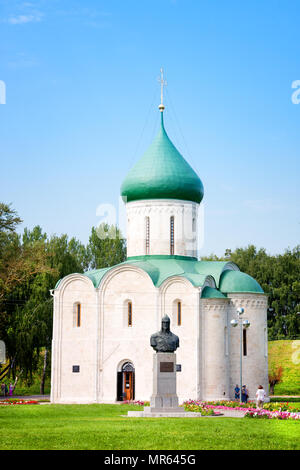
[
  {"x": 201, "y": 408},
  {"x": 265, "y": 414},
  {"x": 137, "y": 402},
  {"x": 18, "y": 402},
  {"x": 278, "y": 406},
  {"x": 250, "y": 411}
]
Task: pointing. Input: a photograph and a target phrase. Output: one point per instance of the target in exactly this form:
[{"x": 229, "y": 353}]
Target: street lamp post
[{"x": 243, "y": 324}]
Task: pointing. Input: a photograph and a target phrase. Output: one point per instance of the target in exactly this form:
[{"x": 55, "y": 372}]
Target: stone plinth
[
  {"x": 164, "y": 400},
  {"x": 164, "y": 414},
  {"x": 164, "y": 397}
]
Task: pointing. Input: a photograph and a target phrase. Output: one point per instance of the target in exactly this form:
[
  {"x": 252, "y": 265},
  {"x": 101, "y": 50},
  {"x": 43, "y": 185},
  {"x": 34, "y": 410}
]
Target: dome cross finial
[{"x": 162, "y": 84}]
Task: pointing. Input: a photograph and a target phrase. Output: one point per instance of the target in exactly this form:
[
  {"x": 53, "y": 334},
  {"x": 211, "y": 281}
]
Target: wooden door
[{"x": 128, "y": 385}]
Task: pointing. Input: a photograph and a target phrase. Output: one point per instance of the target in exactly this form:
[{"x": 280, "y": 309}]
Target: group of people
[
  {"x": 243, "y": 395},
  {"x": 5, "y": 391}
]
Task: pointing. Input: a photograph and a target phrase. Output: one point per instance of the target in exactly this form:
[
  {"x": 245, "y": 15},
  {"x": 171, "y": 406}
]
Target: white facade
[
  {"x": 101, "y": 331},
  {"x": 209, "y": 347}
]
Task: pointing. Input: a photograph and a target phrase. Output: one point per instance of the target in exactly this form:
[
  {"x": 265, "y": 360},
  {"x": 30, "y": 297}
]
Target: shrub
[{"x": 275, "y": 377}]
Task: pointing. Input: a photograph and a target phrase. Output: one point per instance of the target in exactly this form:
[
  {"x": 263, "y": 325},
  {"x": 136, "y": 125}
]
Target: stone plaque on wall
[{"x": 167, "y": 367}]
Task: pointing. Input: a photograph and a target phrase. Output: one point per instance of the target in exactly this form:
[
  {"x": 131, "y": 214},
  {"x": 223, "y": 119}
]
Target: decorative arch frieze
[
  {"x": 215, "y": 304},
  {"x": 248, "y": 302}
]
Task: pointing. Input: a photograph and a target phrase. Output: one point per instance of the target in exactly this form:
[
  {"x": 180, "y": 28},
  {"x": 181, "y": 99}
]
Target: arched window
[
  {"x": 172, "y": 235},
  {"x": 77, "y": 315},
  {"x": 147, "y": 235},
  {"x": 129, "y": 314},
  {"x": 179, "y": 319},
  {"x": 266, "y": 342},
  {"x": 194, "y": 225}
]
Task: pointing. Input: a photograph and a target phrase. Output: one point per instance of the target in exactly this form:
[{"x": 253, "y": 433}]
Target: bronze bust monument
[{"x": 164, "y": 340}]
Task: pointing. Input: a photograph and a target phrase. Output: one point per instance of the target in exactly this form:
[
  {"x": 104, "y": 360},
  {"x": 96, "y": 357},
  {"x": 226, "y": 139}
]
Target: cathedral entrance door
[
  {"x": 128, "y": 388},
  {"x": 128, "y": 381}
]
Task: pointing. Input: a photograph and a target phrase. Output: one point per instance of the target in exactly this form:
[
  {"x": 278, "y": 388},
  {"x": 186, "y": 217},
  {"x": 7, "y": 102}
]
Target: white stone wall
[
  {"x": 159, "y": 212},
  {"x": 214, "y": 349},
  {"x": 120, "y": 342},
  {"x": 255, "y": 364},
  {"x": 209, "y": 346},
  {"x": 172, "y": 291},
  {"x": 74, "y": 345}
]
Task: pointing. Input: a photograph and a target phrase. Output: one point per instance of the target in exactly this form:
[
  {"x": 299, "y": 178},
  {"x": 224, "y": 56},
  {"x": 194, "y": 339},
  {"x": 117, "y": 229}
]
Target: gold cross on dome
[{"x": 162, "y": 84}]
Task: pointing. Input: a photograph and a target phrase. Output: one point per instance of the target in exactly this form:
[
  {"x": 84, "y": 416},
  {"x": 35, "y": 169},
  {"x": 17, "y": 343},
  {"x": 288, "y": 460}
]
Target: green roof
[
  {"x": 225, "y": 275},
  {"x": 162, "y": 173},
  {"x": 211, "y": 293},
  {"x": 236, "y": 281},
  {"x": 160, "y": 268}
]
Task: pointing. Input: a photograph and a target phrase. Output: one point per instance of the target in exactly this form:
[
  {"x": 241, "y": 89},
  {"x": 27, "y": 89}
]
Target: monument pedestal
[
  {"x": 164, "y": 396},
  {"x": 164, "y": 399}
]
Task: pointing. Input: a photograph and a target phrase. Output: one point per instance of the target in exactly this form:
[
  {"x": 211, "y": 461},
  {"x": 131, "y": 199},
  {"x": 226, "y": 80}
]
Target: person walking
[
  {"x": 260, "y": 397},
  {"x": 11, "y": 389},
  {"x": 3, "y": 389}
]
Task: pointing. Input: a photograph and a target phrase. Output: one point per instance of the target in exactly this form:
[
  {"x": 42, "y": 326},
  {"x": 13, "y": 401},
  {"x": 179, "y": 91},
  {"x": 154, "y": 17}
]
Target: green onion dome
[
  {"x": 162, "y": 173},
  {"x": 236, "y": 281}
]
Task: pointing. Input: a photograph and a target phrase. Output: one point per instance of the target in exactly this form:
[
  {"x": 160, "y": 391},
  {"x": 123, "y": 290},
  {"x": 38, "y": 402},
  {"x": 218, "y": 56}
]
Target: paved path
[
  {"x": 27, "y": 397},
  {"x": 232, "y": 413},
  {"x": 284, "y": 396}
]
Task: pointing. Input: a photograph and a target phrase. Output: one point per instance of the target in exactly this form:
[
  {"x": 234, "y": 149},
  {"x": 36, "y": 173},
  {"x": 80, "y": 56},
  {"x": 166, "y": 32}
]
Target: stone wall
[
  {"x": 159, "y": 212},
  {"x": 209, "y": 347}
]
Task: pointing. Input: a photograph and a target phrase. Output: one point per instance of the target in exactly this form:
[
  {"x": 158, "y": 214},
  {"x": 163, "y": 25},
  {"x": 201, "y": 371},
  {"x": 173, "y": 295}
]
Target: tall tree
[
  {"x": 106, "y": 246},
  {"x": 9, "y": 218}
]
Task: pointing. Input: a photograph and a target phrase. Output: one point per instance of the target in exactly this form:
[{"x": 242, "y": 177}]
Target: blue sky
[{"x": 81, "y": 108}]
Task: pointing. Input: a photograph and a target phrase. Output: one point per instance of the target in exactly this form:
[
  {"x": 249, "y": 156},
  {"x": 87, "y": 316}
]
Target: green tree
[
  {"x": 9, "y": 218},
  {"x": 34, "y": 320},
  {"x": 106, "y": 246}
]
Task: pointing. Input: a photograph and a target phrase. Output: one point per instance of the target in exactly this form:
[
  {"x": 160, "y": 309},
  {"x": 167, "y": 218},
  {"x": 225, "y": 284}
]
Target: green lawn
[
  {"x": 103, "y": 427},
  {"x": 282, "y": 353}
]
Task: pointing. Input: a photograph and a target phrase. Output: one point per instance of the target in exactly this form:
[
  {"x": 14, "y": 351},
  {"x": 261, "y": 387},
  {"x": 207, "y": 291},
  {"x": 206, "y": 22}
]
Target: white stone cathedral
[{"x": 103, "y": 319}]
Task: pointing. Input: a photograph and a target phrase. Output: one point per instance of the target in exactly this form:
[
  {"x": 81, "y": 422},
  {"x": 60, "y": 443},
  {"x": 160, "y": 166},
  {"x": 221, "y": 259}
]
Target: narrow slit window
[
  {"x": 147, "y": 235},
  {"x": 245, "y": 342},
  {"x": 266, "y": 342},
  {"x": 172, "y": 235},
  {"x": 129, "y": 313},
  {"x": 226, "y": 341},
  {"x": 78, "y": 315},
  {"x": 179, "y": 319}
]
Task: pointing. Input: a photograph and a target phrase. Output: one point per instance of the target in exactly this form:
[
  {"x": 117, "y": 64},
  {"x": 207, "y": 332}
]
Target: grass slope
[
  {"x": 282, "y": 353},
  {"x": 103, "y": 427}
]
